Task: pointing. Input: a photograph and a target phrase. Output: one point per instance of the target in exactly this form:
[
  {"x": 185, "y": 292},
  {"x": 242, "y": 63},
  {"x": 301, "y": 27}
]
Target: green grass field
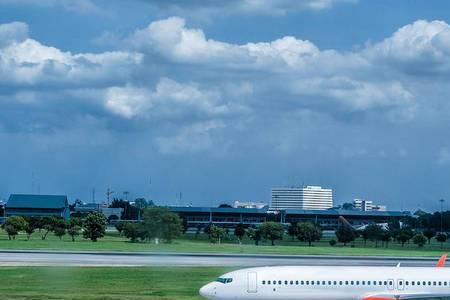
[
  {"x": 113, "y": 242},
  {"x": 104, "y": 283}
]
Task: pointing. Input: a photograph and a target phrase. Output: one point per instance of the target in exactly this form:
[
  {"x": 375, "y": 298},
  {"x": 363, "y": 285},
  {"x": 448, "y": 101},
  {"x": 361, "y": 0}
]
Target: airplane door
[
  {"x": 400, "y": 284},
  {"x": 252, "y": 286},
  {"x": 390, "y": 283}
]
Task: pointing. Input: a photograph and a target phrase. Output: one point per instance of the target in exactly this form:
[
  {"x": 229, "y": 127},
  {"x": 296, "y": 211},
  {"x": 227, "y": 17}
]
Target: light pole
[{"x": 442, "y": 208}]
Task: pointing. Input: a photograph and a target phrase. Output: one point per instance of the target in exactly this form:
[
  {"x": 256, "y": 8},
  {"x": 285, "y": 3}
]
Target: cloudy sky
[{"x": 221, "y": 100}]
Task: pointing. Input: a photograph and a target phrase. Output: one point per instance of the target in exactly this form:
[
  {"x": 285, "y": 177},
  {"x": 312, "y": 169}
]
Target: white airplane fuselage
[{"x": 330, "y": 283}]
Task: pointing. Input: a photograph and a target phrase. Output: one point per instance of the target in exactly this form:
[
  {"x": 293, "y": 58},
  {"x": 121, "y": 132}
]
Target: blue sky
[{"x": 223, "y": 100}]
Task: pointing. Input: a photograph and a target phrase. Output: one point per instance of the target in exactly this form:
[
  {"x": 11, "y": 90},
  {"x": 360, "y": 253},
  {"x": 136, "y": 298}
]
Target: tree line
[
  {"x": 92, "y": 227},
  {"x": 309, "y": 233},
  {"x": 158, "y": 224}
]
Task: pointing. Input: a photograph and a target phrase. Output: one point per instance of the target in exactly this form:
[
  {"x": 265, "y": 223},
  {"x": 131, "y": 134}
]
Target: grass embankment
[
  {"x": 24, "y": 283},
  {"x": 114, "y": 242}
]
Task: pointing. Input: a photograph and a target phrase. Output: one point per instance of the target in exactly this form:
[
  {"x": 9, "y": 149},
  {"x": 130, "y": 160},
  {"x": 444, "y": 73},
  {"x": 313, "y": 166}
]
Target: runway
[{"x": 127, "y": 259}]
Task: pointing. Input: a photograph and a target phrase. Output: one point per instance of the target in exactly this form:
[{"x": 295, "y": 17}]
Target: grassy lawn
[
  {"x": 104, "y": 283},
  {"x": 113, "y": 242}
]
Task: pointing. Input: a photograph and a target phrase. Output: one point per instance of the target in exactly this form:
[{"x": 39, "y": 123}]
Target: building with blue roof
[{"x": 37, "y": 206}]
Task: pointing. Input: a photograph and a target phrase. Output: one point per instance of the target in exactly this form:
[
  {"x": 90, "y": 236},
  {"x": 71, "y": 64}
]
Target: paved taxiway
[{"x": 56, "y": 258}]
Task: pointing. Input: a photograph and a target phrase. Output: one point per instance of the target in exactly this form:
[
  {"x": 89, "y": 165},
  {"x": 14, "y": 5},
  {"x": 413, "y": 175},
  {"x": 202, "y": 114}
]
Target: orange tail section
[{"x": 441, "y": 261}]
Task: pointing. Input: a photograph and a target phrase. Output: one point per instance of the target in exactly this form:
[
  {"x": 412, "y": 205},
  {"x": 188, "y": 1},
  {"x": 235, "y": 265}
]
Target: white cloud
[
  {"x": 419, "y": 48},
  {"x": 169, "y": 100},
  {"x": 356, "y": 95},
  {"x": 172, "y": 39},
  {"x": 13, "y": 32},
  {"x": 26, "y": 61}
]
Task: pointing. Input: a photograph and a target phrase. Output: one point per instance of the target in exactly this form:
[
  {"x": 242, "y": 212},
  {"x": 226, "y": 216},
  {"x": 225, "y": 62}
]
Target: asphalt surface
[{"x": 116, "y": 259}]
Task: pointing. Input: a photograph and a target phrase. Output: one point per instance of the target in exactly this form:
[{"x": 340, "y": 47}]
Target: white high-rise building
[
  {"x": 308, "y": 197},
  {"x": 364, "y": 205}
]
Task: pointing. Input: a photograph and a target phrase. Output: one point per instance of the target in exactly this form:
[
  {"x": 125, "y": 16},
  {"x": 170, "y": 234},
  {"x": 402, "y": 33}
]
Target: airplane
[{"x": 332, "y": 283}]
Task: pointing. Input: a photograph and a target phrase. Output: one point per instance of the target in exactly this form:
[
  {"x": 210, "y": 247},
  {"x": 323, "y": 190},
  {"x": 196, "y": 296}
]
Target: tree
[
  {"x": 161, "y": 223},
  {"x": 217, "y": 234},
  {"x": 441, "y": 238},
  {"x": 364, "y": 235},
  {"x": 134, "y": 232},
  {"x": 239, "y": 232},
  {"x": 225, "y": 205},
  {"x": 419, "y": 239},
  {"x": 130, "y": 212},
  {"x": 403, "y": 236},
  {"x": 375, "y": 233},
  {"x": 94, "y": 226},
  {"x": 13, "y": 225},
  {"x": 74, "y": 231},
  {"x": 29, "y": 229},
  {"x": 293, "y": 230},
  {"x": 345, "y": 234},
  {"x": 308, "y": 232},
  {"x": 59, "y": 232},
  {"x": 394, "y": 228},
  {"x": 332, "y": 242},
  {"x": 254, "y": 234},
  {"x": 48, "y": 224},
  {"x": 59, "y": 228},
  {"x": 272, "y": 231},
  {"x": 119, "y": 227},
  {"x": 429, "y": 234},
  {"x": 347, "y": 206},
  {"x": 385, "y": 236}
]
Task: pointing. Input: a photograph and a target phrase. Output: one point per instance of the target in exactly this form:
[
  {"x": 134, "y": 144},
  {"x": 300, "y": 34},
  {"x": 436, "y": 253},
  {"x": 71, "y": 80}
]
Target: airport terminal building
[{"x": 327, "y": 219}]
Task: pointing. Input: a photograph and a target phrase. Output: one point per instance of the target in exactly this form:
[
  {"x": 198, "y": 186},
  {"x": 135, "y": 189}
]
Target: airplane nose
[{"x": 207, "y": 291}]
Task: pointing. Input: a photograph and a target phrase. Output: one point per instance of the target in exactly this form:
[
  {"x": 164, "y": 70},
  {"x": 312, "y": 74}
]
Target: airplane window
[
  {"x": 335, "y": 282},
  {"x": 329, "y": 282},
  {"x": 296, "y": 282},
  {"x": 302, "y": 282},
  {"x": 424, "y": 283},
  {"x": 439, "y": 283},
  {"x": 407, "y": 282},
  {"x": 374, "y": 283},
  {"x": 434, "y": 282},
  {"x": 268, "y": 281},
  {"x": 357, "y": 282},
  {"x": 385, "y": 283},
  {"x": 429, "y": 282},
  {"x": 352, "y": 282},
  {"x": 381, "y": 283},
  {"x": 324, "y": 282},
  {"x": 291, "y": 282},
  {"x": 445, "y": 283},
  {"x": 285, "y": 282},
  {"x": 340, "y": 282},
  {"x": 318, "y": 282},
  {"x": 368, "y": 282},
  {"x": 363, "y": 282},
  {"x": 263, "y": 282},
  {"x": 312, "y": 282},
  {"x": 224, "y": 280},
  {"x": 413, "y": 282},
  {"x": 307, "y": 282},
  {"x": 346, "y": 283},
  {"x": 279, "y": 281}
]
